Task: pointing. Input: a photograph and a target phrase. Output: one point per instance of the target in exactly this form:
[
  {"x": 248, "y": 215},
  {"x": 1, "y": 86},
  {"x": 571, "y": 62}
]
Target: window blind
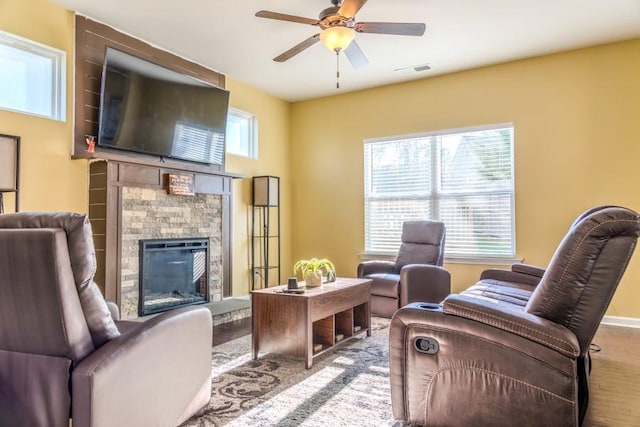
[
  {"x": 197, "y": 143},
  {"x": 461, "y": 177}
]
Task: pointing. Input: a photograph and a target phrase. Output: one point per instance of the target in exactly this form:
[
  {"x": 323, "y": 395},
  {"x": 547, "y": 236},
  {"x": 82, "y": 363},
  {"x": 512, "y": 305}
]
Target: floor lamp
[{"x": 9, "y": 168}]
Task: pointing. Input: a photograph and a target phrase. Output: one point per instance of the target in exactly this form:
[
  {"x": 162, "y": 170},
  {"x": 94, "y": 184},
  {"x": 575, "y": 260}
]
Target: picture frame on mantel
[
  {"x": 9, "y": 169},
  {"x": 180, "y": 184}
]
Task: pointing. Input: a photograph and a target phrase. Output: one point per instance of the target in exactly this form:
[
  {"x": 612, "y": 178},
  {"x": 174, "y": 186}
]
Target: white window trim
[
  {"x": 481, "y": 260},
  {"x": 441, "y": 132},
  {"x": 388, "y": 256},
  {"x": 59, "y": 77}
]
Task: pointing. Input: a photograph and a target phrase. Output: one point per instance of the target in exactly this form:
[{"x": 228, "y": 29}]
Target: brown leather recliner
[
  {"x": 416, "y": 275},
  {"x": 63, "y": 356},
  {"x": 513, "y": 349}
]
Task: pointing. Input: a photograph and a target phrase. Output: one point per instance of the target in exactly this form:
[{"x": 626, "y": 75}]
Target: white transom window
[
  {"x": 242, "y": 133},
  {"x": 32, "y": 77}
]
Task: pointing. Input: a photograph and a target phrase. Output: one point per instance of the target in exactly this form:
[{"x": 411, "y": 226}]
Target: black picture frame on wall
[{"x": 9, "y": 169}]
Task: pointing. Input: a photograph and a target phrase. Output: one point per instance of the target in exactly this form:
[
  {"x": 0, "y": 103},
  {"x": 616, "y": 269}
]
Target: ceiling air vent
[
  {"x": 424, "y": 67},
  {"x": 416, "y": 68}
]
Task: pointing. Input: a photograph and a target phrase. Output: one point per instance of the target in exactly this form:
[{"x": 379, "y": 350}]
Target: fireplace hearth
[{"x": 173, "y": 273}]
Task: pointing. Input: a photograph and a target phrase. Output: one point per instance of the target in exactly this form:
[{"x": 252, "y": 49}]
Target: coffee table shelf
[
  {"x": 326, "y": 331},
  {"x": 298, "y": 324}
]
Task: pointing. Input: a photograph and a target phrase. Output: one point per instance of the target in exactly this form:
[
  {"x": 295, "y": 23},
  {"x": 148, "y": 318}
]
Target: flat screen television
[{"x": 147, "y": 108}]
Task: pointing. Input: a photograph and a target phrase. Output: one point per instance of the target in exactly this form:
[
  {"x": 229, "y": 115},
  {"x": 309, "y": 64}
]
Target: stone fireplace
[
  {"x": 130, "y": 204},
  {"x": 153, "y": 214}
]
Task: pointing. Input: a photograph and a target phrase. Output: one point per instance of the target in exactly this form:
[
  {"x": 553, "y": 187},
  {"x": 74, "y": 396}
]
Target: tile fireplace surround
[
  {"x": 129, "y": 202},
  {"x": 149, "y": 213}
]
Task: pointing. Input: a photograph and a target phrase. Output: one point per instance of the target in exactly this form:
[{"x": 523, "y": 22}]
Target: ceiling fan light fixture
[{"x": 337, "y": 38}]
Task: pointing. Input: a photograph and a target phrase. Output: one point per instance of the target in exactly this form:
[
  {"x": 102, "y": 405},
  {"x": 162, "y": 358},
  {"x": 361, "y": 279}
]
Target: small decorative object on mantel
[
  {"x": 313, "y": 269},
  {"x": 91, "y": 143},
  {"x": 181, "y": 185}
]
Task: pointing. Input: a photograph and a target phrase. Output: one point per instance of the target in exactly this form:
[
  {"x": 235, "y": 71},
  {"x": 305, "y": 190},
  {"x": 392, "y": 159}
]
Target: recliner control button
[{"x": 426, "y": 345}]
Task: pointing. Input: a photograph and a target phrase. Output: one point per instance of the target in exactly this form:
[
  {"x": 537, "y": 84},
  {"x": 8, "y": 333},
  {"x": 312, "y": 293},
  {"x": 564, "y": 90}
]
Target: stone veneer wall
[{"x": 154, "y": 214}]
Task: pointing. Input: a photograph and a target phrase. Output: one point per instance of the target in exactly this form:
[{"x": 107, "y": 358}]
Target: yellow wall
[
  {"x": 273, "y": 159},
  {"x": 49, "y": 180},
  {"x": 576, "y": 146}
]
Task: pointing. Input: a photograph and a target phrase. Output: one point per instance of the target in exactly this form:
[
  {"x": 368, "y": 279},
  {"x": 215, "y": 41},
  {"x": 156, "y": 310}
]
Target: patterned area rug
[{"x": 348, "y": 386}]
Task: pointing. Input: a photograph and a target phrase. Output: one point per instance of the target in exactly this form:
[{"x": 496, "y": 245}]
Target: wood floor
[
  {"x": 614, "y": 383},
  {"x": 231, "y": 330}
]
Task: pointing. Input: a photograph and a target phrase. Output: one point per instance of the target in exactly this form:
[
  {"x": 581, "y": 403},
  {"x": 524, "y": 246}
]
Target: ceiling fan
[{"x": 338, "y": 27}]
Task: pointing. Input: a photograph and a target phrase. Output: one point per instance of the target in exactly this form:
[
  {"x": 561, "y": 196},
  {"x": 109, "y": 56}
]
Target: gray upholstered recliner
[
  {"x": 416, "y": 275},
  {"x": 513, "y": 349},
  {"x": 63, "y": 356}
]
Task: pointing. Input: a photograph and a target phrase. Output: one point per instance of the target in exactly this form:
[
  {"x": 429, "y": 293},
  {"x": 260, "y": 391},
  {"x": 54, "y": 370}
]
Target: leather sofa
[
  {"x": 64, "y": 357},
  {"x": 513, "y": 349},
  {"x": 417, "y": 273}
]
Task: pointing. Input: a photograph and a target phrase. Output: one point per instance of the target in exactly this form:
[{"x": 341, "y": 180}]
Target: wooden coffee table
[{"x": 309, "y": 324}]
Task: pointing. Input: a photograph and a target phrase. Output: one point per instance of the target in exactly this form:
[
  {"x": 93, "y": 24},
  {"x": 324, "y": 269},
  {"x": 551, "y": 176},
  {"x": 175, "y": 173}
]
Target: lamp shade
[
  {"x": 266, "y": 190},
  {"x": 337, "y": 38},
  {"x": 8, "y": 163}
]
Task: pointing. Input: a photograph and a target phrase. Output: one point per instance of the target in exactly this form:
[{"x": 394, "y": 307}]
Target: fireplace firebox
[{"x": 173, "y": 273}]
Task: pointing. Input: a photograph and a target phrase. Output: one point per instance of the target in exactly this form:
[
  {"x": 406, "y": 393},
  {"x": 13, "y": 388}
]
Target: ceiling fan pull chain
[{"x": 337, "y": 69}]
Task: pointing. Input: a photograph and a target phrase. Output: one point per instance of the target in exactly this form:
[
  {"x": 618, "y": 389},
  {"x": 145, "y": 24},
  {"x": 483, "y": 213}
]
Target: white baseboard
[{"x": 629, "y": 322}]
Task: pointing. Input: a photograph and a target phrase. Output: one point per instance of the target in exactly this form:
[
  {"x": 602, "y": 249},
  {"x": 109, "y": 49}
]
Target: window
[
  {"x": 32, "y": 77},
  {"x": 242, "y": 133},
  {"x": 461, "y": 177}
]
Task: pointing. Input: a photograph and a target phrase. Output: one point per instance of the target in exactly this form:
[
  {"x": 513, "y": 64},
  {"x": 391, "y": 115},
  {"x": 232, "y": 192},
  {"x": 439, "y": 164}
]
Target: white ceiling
[{"x": 461, "y": 34}]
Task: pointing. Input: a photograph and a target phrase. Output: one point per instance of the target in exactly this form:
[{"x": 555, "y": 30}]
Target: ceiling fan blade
[
  {"x": 395, "y": 28},
  {"x": 297, "y": 48},
  {"x": 349, "y": 8},
  {"x": 355, "y": 55},
  {"x": 285, "y": 17}
]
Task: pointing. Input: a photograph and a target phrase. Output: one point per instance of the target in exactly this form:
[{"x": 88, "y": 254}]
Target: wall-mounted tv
[{"x": 147, "y": 108}]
